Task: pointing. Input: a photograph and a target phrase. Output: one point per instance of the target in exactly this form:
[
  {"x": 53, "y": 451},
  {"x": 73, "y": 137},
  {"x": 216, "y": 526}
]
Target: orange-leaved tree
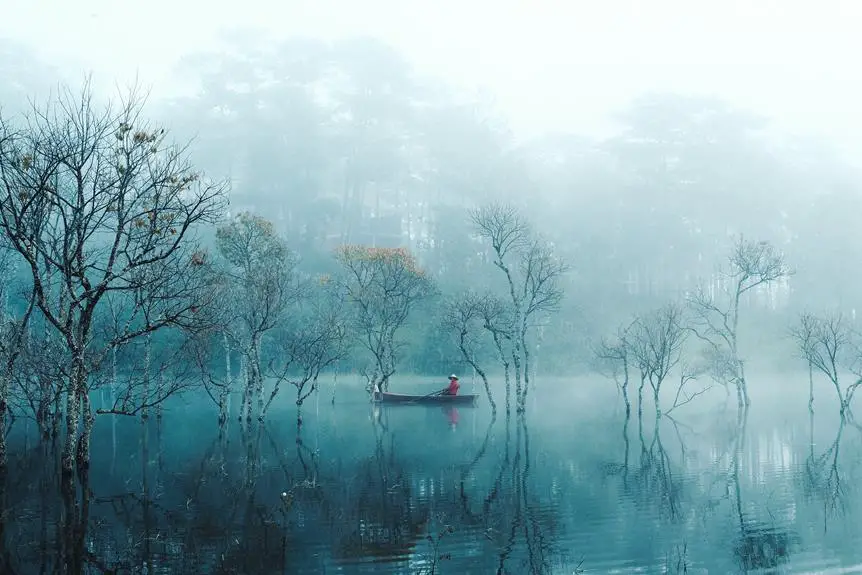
[
  {"x": 263, "y": 286},
  {"x": 382, "y": 285}
]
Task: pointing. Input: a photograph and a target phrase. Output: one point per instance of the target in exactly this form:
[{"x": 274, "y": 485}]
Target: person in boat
[{"x": 454, "y": 386}]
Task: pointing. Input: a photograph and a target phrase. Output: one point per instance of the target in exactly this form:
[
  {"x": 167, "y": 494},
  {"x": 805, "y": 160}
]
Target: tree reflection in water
[
  {"x": 652, "y": 482},
  {"x": 255, "y": 503},
  {"x": 821, "y": 476},
  {"x": 760, "y": 546},
  {"x": 511, "y": 518}
]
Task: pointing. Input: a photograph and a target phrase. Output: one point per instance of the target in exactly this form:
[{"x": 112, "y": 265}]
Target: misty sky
[{"x": 550, "y": 65}]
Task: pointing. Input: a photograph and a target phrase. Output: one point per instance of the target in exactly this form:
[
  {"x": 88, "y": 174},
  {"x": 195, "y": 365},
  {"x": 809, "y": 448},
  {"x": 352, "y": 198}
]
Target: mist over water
[
  {"x": 407, "y": 489},
  {"x": 631, "y": 230}
]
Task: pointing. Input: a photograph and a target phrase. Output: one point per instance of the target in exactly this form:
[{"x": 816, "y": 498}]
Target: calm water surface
[{"x": 571, "y": 485}]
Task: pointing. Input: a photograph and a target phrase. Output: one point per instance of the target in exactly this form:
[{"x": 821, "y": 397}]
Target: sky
[{"x": 549, "y": 65}]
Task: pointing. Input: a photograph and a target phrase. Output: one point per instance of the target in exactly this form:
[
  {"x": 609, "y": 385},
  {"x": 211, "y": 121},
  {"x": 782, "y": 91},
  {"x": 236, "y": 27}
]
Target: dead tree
[
  {"x": 90, "y": 198},
  {"x": 804, "y": 334},
  {"x": 262, "y": 287},
  {"x": 39, "y": 380},
  {"x": 688, "y": 373},
  {"x": 614, "y": 360},
  {"x": 13, "y": 331},
  {"x": 218, "y": 387},
  {"x": 465, "y": 318},
  {"x": 310, "y": 344},
  {"x": 826, "y": 343},
  {"x": 657, "y": 339},
  {"x": 383, "y": 286},
  {"x": 532, "y": 273},
  {"x": 171, "y": 373},
  {"x": 178, "y": 297},
  {"x": 751, "y": 264}
]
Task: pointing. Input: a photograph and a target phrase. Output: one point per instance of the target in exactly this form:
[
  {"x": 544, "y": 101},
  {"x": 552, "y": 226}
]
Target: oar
[{"x": 431, "y": 394}]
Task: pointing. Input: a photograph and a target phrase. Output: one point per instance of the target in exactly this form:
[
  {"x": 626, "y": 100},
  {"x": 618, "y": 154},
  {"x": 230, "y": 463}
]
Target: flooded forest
[{"x": 211, "y": 302}]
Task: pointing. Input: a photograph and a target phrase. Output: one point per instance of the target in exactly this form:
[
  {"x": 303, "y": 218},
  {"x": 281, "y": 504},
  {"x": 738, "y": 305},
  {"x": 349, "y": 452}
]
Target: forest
[
  {"x": 314, "y": 209},
  {"x": 306, "y": 182}
]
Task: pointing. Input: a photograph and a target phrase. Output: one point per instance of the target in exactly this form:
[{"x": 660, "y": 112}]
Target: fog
[
  {"x": 640, "y": 144},
  {"x": 303, "y": 217},
  {"x": 548, "y": 65}
]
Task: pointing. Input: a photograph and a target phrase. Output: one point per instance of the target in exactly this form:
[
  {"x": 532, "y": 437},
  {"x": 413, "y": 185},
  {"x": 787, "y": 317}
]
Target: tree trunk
[
  {"x": 810, "y": 387},
  {"x": 526, "y": 388},
  {"x": 625, "y": 386},
  {"x": 84, "y": 440},
  {"x": 334, "y": 384},
  {"x": 256, "y": 385},
  {"x": 224, "y": 396},
  {"x": 161, "y": 384},
  {"x": 245, "y": 404},
  {"x": 222, "y": 406},
  {"x": 264, "y": 408},
  {"x": 77, "y": 384},
  {"x": 4, "y": 398},
  {"x": 625, "y": 389},
  {"x": 641, "y": 396},
  {"x": 516, "y": 363},
  {"x": 148, "y": 360}
]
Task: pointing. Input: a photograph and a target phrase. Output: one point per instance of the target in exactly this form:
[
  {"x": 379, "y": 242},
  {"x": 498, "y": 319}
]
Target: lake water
[{"x": 570, "y": 486}]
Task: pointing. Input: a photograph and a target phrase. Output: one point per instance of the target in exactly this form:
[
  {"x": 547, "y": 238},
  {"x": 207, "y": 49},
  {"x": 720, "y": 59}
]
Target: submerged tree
[
  {"x": 314, "y": 340},
  {"x": 383, "y": 285},
  {"x": 615, "y": 360},
  {"x": 96, "y": 201},
  {"x": 466, "y": 318},
  {"x": 827, "y": 345},
  {"x": 262, "y": 287},
  {"x": 804, "y": 333},
  {"x": 13, "y": 330},
  {"x": 656, "y": 340},
  {"x": 533, "y": 275},
  {"x": 751, "y": 264}
]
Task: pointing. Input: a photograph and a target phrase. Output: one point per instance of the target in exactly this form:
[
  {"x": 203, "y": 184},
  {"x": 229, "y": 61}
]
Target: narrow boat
[{"x": 384, "y": 397}]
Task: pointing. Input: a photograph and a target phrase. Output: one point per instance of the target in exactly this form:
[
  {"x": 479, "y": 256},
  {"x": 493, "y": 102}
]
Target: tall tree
[
  {"x": 261, "y": 271},
  {"x": 751, "y": 264},
  {"x": 98, "y": 202},
  {"x": 532, "y": 281}
]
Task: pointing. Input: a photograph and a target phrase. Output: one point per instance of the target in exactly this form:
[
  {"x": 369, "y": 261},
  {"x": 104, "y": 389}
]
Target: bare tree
[
  {"x": 383, "y": 285},
  {"x": 13, "y": 330},
  {"x": 827, "y": 345},
  {"x": 149, "y": 387},
  {"x": 261, "y": 271},
  {"x": 39, "y": 379},
  {"x": 688, "y": 373},
  {"x": 309, "y": 345},
  {"x": 751, "y": 264},
  {"x": 657, "y": 339},
  {"x": 218, "y": 386},
  {"x": 532, "y": 275},
  {"x": 91, "y": 198},
  {"x": 614, "y": 360},
  {"x": 465, "y": 317},
  {"x": 804, "y": 335}
]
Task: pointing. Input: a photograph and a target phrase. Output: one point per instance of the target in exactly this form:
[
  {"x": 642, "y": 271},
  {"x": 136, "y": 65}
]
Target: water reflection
[
  {"x": 759, "y": 546},
  {"x": 510, "y": 517},
  {"x": 360, "y": 489},
  {"x": 821, "y": 477}
]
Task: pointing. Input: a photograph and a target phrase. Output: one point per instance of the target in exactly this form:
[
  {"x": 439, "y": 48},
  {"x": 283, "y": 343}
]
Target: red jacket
[{"x": 453, "y": 387}]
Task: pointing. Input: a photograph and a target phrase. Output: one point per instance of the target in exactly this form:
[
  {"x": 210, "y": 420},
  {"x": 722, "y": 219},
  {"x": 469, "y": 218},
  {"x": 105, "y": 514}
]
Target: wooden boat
[{"x": 400, "y": 398}]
